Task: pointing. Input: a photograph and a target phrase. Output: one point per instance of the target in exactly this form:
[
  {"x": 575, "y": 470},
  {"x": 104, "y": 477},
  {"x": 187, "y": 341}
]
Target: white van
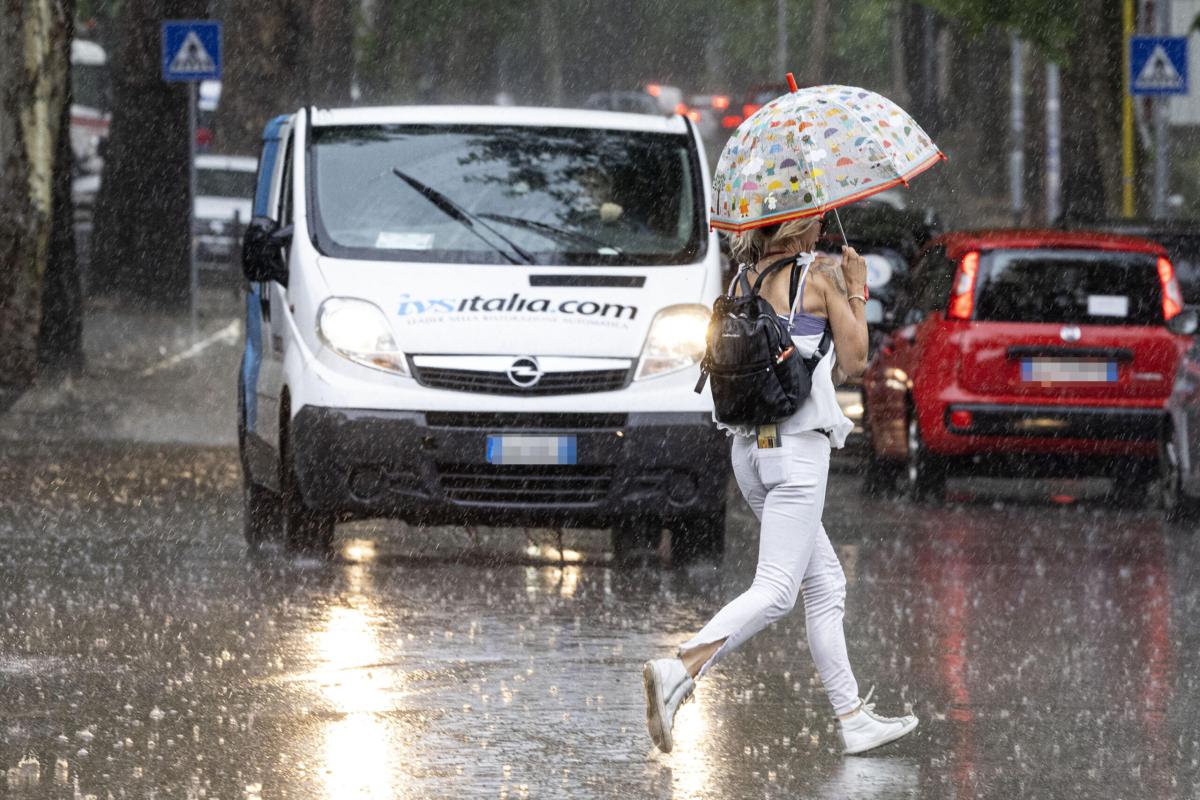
[{"x": 463, "y": 315}]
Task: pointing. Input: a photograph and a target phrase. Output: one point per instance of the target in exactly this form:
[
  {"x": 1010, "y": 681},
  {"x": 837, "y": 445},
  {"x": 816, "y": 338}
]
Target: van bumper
[{"x": 430, "y": 468}]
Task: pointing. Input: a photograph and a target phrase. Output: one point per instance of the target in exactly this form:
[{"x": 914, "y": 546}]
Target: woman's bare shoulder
[{"x": 828, "y": 270}]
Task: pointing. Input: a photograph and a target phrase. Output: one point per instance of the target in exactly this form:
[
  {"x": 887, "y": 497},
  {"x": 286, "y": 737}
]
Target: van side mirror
[
  {"x": 1186, "y": 322},
  {"x": 262, "y": 251}
]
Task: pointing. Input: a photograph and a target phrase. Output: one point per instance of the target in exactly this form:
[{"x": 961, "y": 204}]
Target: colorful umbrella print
[{"x": 813, "y": 150}]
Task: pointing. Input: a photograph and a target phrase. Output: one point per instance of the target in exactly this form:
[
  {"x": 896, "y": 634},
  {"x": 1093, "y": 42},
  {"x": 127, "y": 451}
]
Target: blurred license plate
[
  {"x": 530, "y": 449},
  {"x": 1050, "y": 370}
]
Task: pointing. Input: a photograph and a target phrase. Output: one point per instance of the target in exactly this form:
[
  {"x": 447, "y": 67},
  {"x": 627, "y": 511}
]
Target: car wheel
[
  {"x": 1171, "y": 499},
  {"x": 924, "y": 476},
  {"x": 304, "y": 530},
  {"x": 879, "y": 476},
  {"x": 699, "y": 537}
]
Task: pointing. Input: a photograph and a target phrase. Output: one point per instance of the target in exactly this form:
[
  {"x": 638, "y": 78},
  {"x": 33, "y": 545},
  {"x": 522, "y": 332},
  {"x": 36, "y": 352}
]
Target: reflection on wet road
[{"x": 1051, "y": 650}]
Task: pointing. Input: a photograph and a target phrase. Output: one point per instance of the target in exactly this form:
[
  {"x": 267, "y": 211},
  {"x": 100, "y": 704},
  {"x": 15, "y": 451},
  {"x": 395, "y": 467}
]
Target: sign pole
[
  {"x": 1162, "y": 10},
  {"x": 1127, "y": 209},
  {"x": 193, "y": 272},
  {"x": 191, "y": 52}
]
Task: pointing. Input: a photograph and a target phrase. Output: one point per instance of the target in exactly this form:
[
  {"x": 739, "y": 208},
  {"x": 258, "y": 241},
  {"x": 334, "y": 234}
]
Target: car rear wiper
[
  {"x": 469, "y": 220},
  {"x": 601, "y": 246}
]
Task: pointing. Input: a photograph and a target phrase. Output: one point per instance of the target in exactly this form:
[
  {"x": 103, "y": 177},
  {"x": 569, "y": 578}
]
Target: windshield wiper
[
  {"x": 578, "y": 236},
  {"x": 469, "y": 221}
]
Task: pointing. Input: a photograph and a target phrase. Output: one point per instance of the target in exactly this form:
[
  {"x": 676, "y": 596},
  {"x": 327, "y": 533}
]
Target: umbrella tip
[{"x": 791, "y": 79}]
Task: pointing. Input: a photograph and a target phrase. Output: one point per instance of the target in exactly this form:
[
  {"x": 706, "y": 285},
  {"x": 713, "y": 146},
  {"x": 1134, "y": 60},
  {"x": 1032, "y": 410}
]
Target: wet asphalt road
[{"x": 1049, "y": 643}]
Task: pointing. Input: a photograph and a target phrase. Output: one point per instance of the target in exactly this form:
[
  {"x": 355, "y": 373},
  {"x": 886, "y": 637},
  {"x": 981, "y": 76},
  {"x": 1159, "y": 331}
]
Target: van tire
[
  {"x": 261, "y": 514},
  {"x": 304, "y": 529},
  {"x": 924, "y": 473},
  {"x": 699, "y": 537}
]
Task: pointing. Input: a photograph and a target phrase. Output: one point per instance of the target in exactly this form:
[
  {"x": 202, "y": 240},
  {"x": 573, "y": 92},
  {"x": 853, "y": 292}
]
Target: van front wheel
[{"x": 304, "y": 530}]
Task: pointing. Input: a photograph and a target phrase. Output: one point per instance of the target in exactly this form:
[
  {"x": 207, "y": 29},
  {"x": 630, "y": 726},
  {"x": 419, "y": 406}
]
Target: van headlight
[
  {"x": 676, "y": 340},
  {"x": 358, "y": 330}
]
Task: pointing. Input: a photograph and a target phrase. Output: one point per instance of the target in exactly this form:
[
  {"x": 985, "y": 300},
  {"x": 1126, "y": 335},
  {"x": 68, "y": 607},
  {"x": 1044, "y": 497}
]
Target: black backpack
[{"x": 757, "y": 375}]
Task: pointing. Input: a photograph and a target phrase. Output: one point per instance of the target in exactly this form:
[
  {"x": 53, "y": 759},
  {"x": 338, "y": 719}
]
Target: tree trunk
[
  {"x": 283, "y": 54},
  {"x": 34, "y": 58},
  {"x": 60, "y": 338},
  {"x": 141, "y": 241},
  {"x": 551, "y": 51},
  {"x": 817, "y": 43}
]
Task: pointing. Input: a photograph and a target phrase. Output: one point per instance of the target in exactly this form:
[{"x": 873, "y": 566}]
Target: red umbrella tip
[{"x": 791, "y": 79}]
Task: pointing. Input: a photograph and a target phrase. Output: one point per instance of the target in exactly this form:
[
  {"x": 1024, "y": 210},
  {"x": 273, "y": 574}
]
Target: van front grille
[
  {"x": 552, "y": 486},
  {"x": 577, "y": 382}
]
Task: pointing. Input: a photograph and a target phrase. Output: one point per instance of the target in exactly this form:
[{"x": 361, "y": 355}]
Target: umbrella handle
[{"x": 842, "y": 230}]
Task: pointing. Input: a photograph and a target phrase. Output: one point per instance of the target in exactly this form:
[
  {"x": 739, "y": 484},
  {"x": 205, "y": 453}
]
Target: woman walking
[{"x": 782, "y": 471}]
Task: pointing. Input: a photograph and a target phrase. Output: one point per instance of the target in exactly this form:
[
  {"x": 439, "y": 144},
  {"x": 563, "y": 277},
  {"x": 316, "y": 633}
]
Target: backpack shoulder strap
[{"x": 778, "y": 265}]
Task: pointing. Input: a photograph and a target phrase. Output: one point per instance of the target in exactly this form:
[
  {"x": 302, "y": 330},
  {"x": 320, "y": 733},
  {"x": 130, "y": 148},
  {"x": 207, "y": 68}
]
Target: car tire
[
  {"x": 699, "y": 537},
  {"x": 1172, "y": 501},
  {"x": 879, "y": 476},
  {"x": 304, "y": 529},
  {"x": 924, "y": 473}
]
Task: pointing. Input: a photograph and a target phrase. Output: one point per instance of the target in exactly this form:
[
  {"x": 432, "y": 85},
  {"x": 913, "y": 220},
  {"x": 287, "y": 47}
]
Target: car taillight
[
  {"x": 694, "y": 115},
  {"x": 653, "y": 89},
  {"x": 962, "y": 300},
  {"x": 961, "y": 419},
  {"x": 730, "y": 121},
  {"x": 749, "y": 109},
  {"x": 1172, "y": 298},
  {"x": 681, "y": 108},
  {"x": 720, "y": 102}
]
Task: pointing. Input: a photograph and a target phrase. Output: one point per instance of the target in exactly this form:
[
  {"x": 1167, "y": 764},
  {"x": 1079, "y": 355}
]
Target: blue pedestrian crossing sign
[
  {"x": 1158, "y": 65},
  {"x": 191, "y": 50}
]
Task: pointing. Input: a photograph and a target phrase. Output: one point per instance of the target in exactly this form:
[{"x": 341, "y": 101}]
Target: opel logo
[
  {"x": 525, "y": 372},
  {"x": 1070, "y": 333}
]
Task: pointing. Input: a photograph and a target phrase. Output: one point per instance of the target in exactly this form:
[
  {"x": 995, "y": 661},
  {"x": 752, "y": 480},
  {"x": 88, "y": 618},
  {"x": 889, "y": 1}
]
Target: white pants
[{"x": 785, "y": 486}]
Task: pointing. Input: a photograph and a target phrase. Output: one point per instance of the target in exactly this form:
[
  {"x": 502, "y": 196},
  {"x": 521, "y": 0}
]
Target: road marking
[{"x": 227, "y": 335}]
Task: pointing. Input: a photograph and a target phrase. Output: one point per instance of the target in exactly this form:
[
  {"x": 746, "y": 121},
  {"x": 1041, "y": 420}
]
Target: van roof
[
  {"x": 960, "y": 242},
  {"x": 499, "y": 115}
]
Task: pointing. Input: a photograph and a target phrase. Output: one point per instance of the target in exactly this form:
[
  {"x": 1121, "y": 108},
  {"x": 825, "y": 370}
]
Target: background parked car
[
  {"x": 224, "y": 195},
  {"x": 1043, "y": 351},
  {"x": 636, "y": 102}
]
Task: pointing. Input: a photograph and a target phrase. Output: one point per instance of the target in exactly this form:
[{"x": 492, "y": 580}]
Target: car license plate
[
  {"x": 531, "y": 449},
  {"x": 1051, "y": 370}
]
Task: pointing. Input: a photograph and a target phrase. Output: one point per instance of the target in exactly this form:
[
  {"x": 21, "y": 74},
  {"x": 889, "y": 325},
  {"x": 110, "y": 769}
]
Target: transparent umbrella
[{"x": 813, "y": 150}]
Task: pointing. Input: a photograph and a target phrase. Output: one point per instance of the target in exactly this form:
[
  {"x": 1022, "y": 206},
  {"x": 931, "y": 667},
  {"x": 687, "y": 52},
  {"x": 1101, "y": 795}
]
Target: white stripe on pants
[{"x": 785, "y": 486}]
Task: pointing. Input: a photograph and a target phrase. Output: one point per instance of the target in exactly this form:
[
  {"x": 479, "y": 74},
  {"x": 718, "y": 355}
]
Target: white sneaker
[
  {"x": 867, "y": 730},
  {"x": 668, "y": 686}
]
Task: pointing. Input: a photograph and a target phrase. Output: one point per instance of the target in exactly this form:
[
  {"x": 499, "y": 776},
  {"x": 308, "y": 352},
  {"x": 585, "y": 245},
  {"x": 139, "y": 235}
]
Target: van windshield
[
  {"x": 559, "y": 195},
  {"x": 1082, "y": 287}
]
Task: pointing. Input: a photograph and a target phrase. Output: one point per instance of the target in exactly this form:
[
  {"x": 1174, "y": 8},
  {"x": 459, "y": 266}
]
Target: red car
[{"x": 1026, "y": 351}]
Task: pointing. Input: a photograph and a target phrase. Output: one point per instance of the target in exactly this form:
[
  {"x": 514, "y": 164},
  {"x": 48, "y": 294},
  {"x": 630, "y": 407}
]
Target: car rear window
[{"x": 1083, "y": 287}]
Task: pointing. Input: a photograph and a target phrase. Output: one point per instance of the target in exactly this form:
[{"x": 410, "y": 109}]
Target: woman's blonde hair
[{"x": 748, "y": 247}]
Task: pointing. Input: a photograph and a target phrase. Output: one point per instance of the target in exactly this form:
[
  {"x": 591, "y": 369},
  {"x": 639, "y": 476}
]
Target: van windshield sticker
[
  {"x": 1108, "y": 305},
  {"x": 404, "y": 240}
]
